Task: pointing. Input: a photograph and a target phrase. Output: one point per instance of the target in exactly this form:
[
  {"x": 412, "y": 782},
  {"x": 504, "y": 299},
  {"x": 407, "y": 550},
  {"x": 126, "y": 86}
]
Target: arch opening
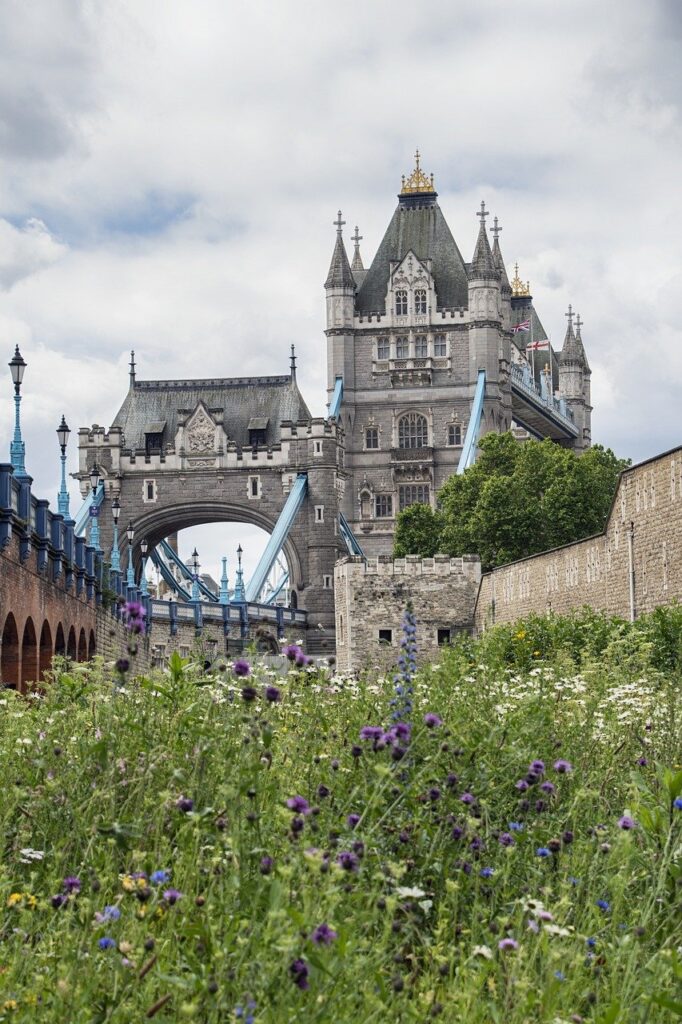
[
  {"x": 82, "y": 646},
  {"x": 60, "y": 642},
  {"x": 92, "y": 646},
  {"x": 45, "y": 651},
  {"x": 10, "y": 654},
  {"x": 71, "y": 650},
  {"x": 29, "y": 655}
]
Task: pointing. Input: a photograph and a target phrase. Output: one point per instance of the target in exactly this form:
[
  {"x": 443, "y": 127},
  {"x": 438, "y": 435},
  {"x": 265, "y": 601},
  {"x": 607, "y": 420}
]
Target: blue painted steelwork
[
  {"x": 278, "y": 589},
  {"x": 169, "y": 577},
  {"x": 337, "y": 398},
  {"x": 83, "y": 514},
  {"x": 279, "y": 535},
  {"x": 115, "y": 552},
  {"x": 171, "y": 555},
  {"x": 130, "y": 579},
  {"x": 349, "y": 538},
  {"x": 63, "y": 495},
  {"x": 468, "y": 456}
]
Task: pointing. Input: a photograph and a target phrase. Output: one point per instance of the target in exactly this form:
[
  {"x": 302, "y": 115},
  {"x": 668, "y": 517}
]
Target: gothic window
[
  {"x": 383, "y": 348},
  {"x": 383, "y": 506},
  {"x": 413, "y": 494},
  {"x": 149, "y": 490},
  {"x": 440, "y": 346},
  {"x": 365, "y": 504},
  {"x": 402, "y": 348},
  {"x": 413, "y": 431},
  {"x": 420, "y": 301},
  {"x": 254, "y": 487},
  {"x": 371, "y": 438},
  {"x": 420, "y": 346},
  {"x": 401, "y": 302},
  {"x": 454, "y": 434}
]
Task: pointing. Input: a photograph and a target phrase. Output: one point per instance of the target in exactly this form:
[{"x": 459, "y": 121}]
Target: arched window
[
  {"x": 402, "y": 348},
  {"x": 401, "y": 302},
  {"x": 383, "y": 348},
  {"x": 365, "y": 504},
  {"x": 454, "y": 434},
  {"x": 420, "y": 301},
  {"x": 371, "y": 438},
  {"x": 420, "y": 346},
  {"x": 413, "y": 431}
]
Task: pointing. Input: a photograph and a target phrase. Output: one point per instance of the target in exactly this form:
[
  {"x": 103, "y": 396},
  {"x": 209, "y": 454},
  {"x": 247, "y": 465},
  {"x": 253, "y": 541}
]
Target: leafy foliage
[{"x": 517, "y": 500}]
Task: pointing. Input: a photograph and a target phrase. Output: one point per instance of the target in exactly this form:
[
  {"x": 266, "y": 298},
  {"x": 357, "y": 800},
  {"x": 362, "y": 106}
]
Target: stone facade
[
  {"x": 371, "y": 597},
  {"x": 634, "y": 566}
]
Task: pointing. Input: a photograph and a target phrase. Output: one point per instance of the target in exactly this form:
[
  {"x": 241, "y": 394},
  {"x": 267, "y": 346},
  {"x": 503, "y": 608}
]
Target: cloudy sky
[{"x": 170, "y": 171}]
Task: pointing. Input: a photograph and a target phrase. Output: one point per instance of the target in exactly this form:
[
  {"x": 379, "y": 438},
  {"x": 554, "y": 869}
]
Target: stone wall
[
  {"x": 371, "y": 597},
  {"x": 634, "y": 566}
]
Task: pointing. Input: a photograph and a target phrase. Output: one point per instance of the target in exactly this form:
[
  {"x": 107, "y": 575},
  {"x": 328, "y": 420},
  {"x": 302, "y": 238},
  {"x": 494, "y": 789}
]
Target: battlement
[{"x": 411, "y": 565}]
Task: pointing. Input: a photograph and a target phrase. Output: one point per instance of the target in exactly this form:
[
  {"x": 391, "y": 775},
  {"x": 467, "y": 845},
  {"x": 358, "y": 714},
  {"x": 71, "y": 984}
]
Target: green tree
[{"x": 517, "y": 500}]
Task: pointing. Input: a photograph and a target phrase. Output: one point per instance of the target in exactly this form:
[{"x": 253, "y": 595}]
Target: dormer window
[
  {"x": 153, "y": 437},
  {"x": 420, "y": 301},
  {"x": 402, "y": 348},
  {"x": 258, "y": 426},
  {"x": 401, "y": 302}
]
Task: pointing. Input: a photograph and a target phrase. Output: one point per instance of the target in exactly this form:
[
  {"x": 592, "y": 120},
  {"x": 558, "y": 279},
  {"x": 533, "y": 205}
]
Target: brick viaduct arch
[{"x": 26, "y": 655}]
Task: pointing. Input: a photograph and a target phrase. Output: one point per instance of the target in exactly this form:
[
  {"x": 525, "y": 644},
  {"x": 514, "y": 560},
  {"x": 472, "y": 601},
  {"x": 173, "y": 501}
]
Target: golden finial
[
  {"x": 417, "y": 181},
  {"x": 519, "y": 289}
]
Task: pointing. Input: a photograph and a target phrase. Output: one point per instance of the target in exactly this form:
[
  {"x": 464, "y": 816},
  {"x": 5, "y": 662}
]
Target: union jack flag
[{"x": 523, "y": 326}]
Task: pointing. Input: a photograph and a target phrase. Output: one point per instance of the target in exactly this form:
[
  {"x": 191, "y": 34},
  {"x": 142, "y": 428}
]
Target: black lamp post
[{"x": 17, "y": 448}]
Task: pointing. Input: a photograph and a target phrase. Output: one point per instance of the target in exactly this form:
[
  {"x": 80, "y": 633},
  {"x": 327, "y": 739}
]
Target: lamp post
[
  {"x": 239, "y": 594},
  {"x": 130, "y": 534},
  {"x": 94, "y": 509},
  {"x": 17, "y": 448},
  {"x": 144, "y": 547},
  {"x": 63, "y": 496},
  {"x": 115, "y": 553},
  {"x": 195, "y": 575}
]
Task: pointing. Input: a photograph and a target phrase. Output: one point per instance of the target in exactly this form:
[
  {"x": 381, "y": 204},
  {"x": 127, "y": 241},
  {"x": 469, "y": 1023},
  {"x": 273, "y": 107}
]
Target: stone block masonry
[
  {"x": 634, "y": 566},
  {"x": 371, "y": 597}
]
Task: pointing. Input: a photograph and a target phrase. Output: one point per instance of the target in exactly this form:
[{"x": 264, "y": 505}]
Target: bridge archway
[
  {"x": 10, "y": 654},
  {"x": 82, "y": 646},
  {"x": 158, "y": 524},
  {"x": 29, "y": 655},
  {"x": 71, "y": 649},
  {"x": 92, "y": 646},
  {"x": 60, "y": 642},
  {"x": 45, "y": 651}
]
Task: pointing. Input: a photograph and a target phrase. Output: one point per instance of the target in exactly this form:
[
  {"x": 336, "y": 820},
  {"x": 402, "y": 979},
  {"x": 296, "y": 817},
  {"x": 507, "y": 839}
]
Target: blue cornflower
[
  {"x": 516, "y": 826},
  {"x": 560, "y": 976},
  {"x": 106, "y": 942},
  {"x": 677, "y": 803},
  {"x": 486, "y": 872},
  {"x": 542, "y": 851},
  {"x": 159, "y": 877},
  {"x": 604, "y": 905},
  {"x": 111, "y": 913}
]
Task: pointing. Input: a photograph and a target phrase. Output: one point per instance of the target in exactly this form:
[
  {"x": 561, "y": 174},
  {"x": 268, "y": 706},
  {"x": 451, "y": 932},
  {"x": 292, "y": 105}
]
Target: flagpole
[{"x": 532, "y": 350}]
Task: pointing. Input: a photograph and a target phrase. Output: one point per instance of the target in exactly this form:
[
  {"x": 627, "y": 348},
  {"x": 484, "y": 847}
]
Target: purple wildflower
[
  {"x": 273, "y": 694},
  {"x": 58, "y": 901},
  {"x": 299, "y": 973},
  {"x": 352, "y": 820},
  {"x": 486, "y": 872},
  {"x": 537, "y": 767},
  {"x": 521, "y": 785},
  {"x": 134, "y": 615},
  {"x": 507, "y": 945},
  {"x": 249, "y": 694},
  {"x": 468, "y": 798},
  {"x": 627, "y": 823},
  {"x": 302, "y": 660},
  {"x": 431, "y": 720},
  {"x": 548, "y": 787},
  {"x": 434, "y": 793},
  {"x": 122, "y": 665},
  {"x": 563, "y": 767},
  {"x": 298, "y": 804},
  {"x": 291, "y": 652},
  {"x": 171, "y": 896},
  {"x": 371, "y": 732},
  {"x": 266, "y": 865},
  {"x": 505, "y": 839},
  {"x": 241, "y": 667},
  {"x": 457, "y": 832},
  {"x": 72, "y": 884},
  {"x": 347, "y": 860},
  {"x": 323, "y": 935},
  {"x": 184, "y": 804}
]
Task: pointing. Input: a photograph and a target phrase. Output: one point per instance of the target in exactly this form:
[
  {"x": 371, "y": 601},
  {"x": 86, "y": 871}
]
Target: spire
[
  {"x": 482, "y": 264},
  {"x": 497, "y": 257},
  {"x": 570, "y": 353},
  {"x": 579, "y": 341},
  {"x": 339, "y": 275},
  {"x": 224, "y": 591},
  {"x": 357, "y": 258}
]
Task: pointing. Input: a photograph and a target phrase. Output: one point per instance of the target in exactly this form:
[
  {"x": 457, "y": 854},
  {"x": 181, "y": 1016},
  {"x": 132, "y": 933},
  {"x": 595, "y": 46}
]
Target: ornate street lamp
[
  {"x": 63, "y": 433},
  {"x": 239, "y": 594},
  {"x": 130, "y": 534},
  {"x": 115, "y": 553},
  {"x": 195, "y": 575},
  {"x": 17, "y": 448},
  {"x": 144, "y": 547}
]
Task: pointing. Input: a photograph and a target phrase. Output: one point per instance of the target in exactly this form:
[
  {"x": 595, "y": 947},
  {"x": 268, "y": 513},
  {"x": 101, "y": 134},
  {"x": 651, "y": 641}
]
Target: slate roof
[
  {"x": 482, "y": 264},
  {"x": 339, "y": 275},
  {"x": 418, "y": 225},
  {"x": 239, "y": 399}
]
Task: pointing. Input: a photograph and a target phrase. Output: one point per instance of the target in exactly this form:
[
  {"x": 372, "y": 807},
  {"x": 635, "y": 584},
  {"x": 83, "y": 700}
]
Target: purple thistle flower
[
  {"x": 299, "y": 973},
  {"x": 468, "y": 798},
  {"x": 171, "y": 896},
  {"x": 249, "y": 694},
  {"x": 323, "y": 791},
  {"x": 457, "y": 832},
  {"x": 291, "y": 652},
  {"x": 323, "y": 935},
  {"x": 521, "y": 785},
  {"x": 347, "y": 860},
  {"x": 548, "y": 787},
  {"x": 266, "y": 865},
  {"x": 106, "y": 942},
  {"x": 371, "y": 732},
  {"x": 642, "y": 762},
  {"x": 352, "y": 820},
  {"x": 434, "y": 793},
  {"x": 537, "y": 766},
  {"x": 298, "y": 804},
  {"x": 400, "y": 731},
  {"x": 431, "y": 720},
  {"x": 184, "y": 804},
  {"x": 72, "y": 884},
  {"x": 241, "y": 667},
  {"x": 58, "y": 900},
  {"x": 297, "y": 824},
  {"x": 273, "y": 694},
  {"x": 507, "y": 945},
  {"x": 122, "y": 665},
  {"x": 302, "y": 660},
  {"x": 563, "y": 767},
  {"x": 505, "y": 839},
  {"x": 627, "y": 823}
]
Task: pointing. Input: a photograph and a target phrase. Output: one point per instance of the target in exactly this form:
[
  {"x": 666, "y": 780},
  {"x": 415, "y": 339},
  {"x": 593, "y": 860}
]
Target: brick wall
[
  {"x": 371, "y": 596},
  {"x": 634, "y": 566}
]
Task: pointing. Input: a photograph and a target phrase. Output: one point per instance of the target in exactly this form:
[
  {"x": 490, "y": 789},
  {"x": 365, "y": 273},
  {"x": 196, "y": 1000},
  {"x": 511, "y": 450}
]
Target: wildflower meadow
[{"x": 495, "y": 837}]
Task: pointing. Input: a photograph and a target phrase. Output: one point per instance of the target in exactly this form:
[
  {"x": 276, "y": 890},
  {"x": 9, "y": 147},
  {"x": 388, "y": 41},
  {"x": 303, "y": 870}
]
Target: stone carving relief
[{"x": 200, "y": 432}]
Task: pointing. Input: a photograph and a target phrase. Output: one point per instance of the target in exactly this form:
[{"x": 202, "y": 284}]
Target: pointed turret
[
  {"x": 340, "y": 274},
  {"x": 497, "y": 259},
  {"x": 572, "y": 353},
  {"x": 574, "y": 382},
  {"x": 482, "y": 265},
  {"x": 579, "y": 342}
]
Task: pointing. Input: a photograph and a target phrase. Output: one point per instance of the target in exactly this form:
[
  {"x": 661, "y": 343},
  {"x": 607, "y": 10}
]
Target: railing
[
  {"x": 424, "y": 454},
  {"x": 522, "y": 378}
]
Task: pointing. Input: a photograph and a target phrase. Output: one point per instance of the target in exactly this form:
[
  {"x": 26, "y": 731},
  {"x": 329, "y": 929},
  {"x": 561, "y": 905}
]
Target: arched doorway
[
  {"x": 45, "y": 651},
  {"x": 82, "y": 646},
  {"x": 92, "y": 646},
  {"x": 9, "y": 654},
  {"x": 71, "y": 646},
  {"x": 60, "y": 642},
  {"x": 29, "y": 655}
]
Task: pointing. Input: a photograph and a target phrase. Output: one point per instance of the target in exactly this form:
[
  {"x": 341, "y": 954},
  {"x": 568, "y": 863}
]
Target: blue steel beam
[
  {"x": 349, "y": 538},
  {"x": 172, "y": 556},
  {"x": 337, "y": 398},
  {"x": 278, "y": 536},
  {"x": 83, "y": 514},
  {"x": 468, "y": 456},
  {"x": 278, "y": 589},
  {"x": 168, "y": 576}
]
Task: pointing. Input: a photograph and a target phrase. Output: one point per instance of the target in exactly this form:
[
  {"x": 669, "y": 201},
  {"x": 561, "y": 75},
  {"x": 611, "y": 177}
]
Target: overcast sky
[{"x": 170, "y": 171}]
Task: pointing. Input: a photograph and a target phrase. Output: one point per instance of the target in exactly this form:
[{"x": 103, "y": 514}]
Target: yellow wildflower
[
  {"x": 14, "y": 899},
  {"x": 10, "y": 1004},
  {"x": 31, "y": 901},
  {"x": 521, "y": 635},
  {"x": 128, "y": 883}
]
